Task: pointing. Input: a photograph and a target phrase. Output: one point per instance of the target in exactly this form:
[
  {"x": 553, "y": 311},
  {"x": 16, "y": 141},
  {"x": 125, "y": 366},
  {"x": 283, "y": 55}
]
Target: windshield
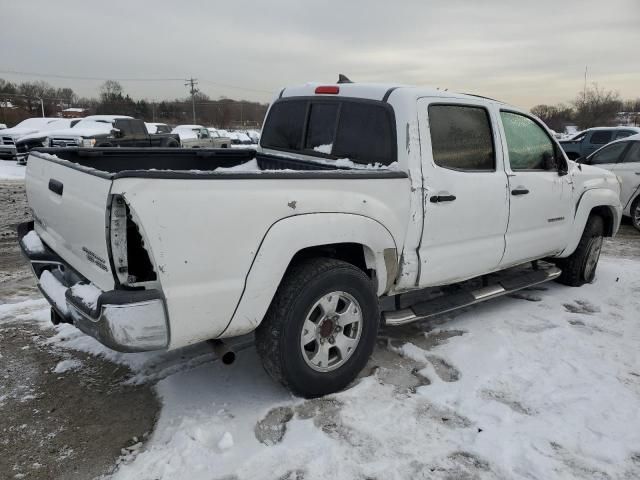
[
  {"x": 578, "y": 137},
  {"x": 35, "y": 122}
]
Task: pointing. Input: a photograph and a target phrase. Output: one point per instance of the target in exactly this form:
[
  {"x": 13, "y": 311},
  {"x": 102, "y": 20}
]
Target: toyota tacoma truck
[{"x": 364, "y": 205}]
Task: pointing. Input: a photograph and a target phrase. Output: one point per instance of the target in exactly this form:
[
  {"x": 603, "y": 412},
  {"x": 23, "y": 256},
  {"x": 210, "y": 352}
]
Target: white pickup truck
[{"x": 357, "y": 196}]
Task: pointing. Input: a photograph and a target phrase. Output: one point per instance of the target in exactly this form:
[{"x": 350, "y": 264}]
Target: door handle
[
  {"x": 56, "y": 186},
  {"x": 442, "y": 198},
  {"x": 519, "y": 191}
]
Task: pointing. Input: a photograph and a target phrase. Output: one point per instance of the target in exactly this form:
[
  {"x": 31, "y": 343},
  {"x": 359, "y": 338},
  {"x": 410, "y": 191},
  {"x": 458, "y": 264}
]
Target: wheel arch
[
  {"x": 356, "y": 239},
  {"x": 598, "y": 201}
]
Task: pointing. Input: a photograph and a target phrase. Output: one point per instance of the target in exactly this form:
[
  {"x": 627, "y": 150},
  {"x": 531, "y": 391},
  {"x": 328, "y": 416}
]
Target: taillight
[
  {"x": 130, "y": 257},
  {"x": 118, "y": 231},
  {"x": 328, "y": 89}
]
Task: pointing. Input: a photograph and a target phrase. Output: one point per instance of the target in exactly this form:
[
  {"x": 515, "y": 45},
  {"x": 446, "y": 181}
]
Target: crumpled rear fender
[{"x": 290, "y": 235}]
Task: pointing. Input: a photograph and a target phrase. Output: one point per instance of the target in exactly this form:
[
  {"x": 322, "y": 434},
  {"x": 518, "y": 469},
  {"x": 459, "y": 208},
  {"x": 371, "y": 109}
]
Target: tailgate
[{"x": 70, "y": 212}]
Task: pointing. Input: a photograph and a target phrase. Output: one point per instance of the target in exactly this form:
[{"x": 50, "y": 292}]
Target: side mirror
[{"x": 117, "y": 133}]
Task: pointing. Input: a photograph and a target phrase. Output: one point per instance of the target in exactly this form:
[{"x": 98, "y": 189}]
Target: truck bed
[{"x": 115, "y": 163}]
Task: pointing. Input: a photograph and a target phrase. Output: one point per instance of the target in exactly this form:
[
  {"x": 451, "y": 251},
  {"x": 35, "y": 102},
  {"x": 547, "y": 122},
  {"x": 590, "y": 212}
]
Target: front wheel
[
  {"x": 321, "y": 327},
  {"x": 580, "y": 267},
  {"x": 635, "y": 213}
]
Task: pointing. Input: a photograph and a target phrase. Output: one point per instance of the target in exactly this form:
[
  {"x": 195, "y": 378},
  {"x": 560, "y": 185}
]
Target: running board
[{"x": 455, "y": 301}]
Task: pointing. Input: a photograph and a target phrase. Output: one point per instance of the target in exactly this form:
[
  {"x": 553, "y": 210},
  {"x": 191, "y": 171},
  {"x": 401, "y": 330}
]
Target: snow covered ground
[
  {"x": 9, "y": 170},
  {"x": 541, "y": 385}
]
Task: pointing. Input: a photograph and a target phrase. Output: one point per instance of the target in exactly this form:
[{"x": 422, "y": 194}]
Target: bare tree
[
  {"x": 557, "y": 117},
  {"x": 596, "y": 107},
  {"x": 110, "y": 90}
]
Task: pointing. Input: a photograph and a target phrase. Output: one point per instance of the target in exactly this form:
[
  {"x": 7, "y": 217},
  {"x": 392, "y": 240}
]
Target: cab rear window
[{"x": 362, "y": 131}]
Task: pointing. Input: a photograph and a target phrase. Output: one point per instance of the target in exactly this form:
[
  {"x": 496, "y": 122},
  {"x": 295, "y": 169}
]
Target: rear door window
[
  {"x": 623, "y": 134},
  {"x": 461, "y": 137},
  {"x": 138, "y": 128},
  {"x": 600, "y": 137}
]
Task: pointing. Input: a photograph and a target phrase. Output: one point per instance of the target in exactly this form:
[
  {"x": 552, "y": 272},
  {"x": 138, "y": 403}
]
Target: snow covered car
[
  {"x": 111, "y": 131},
  {"x": 414, "y": 189},
  {"x": 197, "y": 136},
  {"x": 622, "y": 157},
  {"x": 8, "y": 136},
  {"x": 40, "y": 138}
]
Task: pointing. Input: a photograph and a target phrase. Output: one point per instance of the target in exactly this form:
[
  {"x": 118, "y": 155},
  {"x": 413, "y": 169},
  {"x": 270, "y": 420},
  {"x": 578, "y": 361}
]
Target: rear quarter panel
[{"x": 203, "y": 235}]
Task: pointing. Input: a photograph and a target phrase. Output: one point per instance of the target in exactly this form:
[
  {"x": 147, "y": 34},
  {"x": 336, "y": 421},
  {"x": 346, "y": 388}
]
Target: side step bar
[{"x": 448, "y": 303}]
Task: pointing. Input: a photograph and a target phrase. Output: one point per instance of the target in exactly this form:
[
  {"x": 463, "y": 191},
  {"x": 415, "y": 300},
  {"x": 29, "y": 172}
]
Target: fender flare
[
  {"x": 632, "y": 199},
  {"x": 287, "y": 237},
  {"x": 590, "y": 199}
]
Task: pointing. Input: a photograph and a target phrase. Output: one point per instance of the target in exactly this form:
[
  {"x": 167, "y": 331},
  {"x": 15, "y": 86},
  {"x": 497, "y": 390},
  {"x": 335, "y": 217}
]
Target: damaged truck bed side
[{"x": 357, "y": 193}]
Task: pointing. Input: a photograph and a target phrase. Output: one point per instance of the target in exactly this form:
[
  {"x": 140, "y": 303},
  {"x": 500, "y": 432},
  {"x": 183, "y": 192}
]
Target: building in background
[{"x": 74, "y": 112}]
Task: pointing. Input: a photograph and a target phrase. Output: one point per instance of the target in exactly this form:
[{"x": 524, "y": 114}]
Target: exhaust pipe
[{"x": 223, "y": 351}]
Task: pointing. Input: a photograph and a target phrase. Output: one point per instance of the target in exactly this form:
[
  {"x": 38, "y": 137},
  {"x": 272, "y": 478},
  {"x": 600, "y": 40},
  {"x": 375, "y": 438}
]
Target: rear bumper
[{"x": 124, "y": 320}]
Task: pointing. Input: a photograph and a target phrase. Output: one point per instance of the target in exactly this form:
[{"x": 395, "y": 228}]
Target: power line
[
  {"x": 98, "y": 79},
  {"x": 102, "y": 79},
  {"x": 226, "y": 85}
]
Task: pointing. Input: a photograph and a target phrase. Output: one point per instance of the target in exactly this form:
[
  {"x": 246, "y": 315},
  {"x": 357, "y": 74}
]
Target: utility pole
[
  {"x": 191, "y": 83},
  {"x": 584, "y": 91}
]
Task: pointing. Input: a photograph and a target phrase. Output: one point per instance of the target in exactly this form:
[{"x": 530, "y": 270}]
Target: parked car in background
[
  {"x": 9, "y": 136},
  {"x": 356, "y": 195},
  {"x": 224, "y": 141},
  {"x": 254, "y": 135},
  {"x": 111, "y": 131},
  {"x": 590, "y": 140},
  {"x": 622, "y": 157},
  {"x": 40, "y": 138},
  {"x": 155, "y": 128},
  {"x": 197, "y": 136}
]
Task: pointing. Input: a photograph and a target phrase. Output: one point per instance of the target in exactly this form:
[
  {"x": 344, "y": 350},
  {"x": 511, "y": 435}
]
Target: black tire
[
  {"x": 635, "y": 213},
  {"x": 278, "y": 336},
  {"x": 577, "y": 268},
  {"x": 172, "y": 144}
]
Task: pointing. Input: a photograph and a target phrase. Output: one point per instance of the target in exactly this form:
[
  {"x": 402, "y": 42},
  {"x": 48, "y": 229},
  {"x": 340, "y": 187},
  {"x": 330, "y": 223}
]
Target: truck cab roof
[{"x": 373, "y": 91}]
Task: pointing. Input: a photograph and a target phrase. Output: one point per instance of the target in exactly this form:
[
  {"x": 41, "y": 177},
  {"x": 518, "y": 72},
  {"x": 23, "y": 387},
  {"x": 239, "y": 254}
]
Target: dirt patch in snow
[
  {"x": 71, "y": 424},
  {"x": 15, "y": 277}
]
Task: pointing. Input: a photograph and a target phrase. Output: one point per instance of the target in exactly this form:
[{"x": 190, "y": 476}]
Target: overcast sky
[{"x": 522, "y": 52}]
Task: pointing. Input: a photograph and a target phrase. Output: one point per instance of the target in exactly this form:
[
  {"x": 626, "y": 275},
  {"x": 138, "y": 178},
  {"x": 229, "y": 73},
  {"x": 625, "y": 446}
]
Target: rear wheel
[
  {"x": 580, "y": 267},
  {"x": 320, "y": 328},
  {"x": 635, "y": 213}
]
